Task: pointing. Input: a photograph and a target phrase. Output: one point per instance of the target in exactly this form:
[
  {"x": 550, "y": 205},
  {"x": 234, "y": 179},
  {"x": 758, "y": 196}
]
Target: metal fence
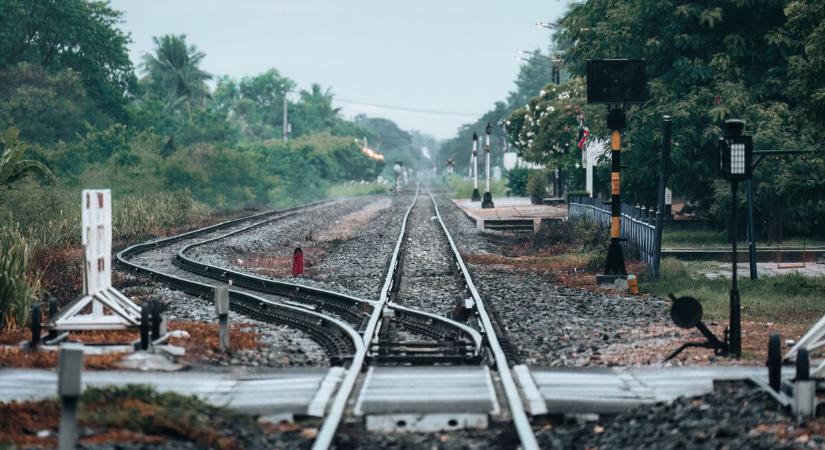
[{"x": 638, "y": 224}]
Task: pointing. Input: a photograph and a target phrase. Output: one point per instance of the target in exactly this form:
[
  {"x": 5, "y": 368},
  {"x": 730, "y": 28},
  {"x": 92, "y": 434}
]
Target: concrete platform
[
  {"x": 411, "y": 398},
  {"x": 427, "y": 399},
  {"x": 289, "y": 391},
  {"x": 616, "y": 389},
  {"x": 511, "y": 214}
]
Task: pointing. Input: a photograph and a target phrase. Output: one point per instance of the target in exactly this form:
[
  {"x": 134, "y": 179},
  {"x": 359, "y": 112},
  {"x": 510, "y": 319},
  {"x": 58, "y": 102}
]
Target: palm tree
[
  {"x": 317, "y": 104},
  {"x": 173, "y": 72},
  {"x": 12, "y": 168}
]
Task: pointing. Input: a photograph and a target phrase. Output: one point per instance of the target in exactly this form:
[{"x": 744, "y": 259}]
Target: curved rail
[
  {"x": 520, "y": 419},
  {"x": 353, "y": 309},
  {"x": 339, "y": 340}
]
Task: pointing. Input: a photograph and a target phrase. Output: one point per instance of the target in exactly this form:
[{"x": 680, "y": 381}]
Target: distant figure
[{"x": 397, "y": 170}]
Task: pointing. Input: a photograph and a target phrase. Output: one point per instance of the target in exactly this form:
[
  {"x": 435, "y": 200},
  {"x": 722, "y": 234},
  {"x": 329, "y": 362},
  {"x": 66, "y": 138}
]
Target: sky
[{"x": 450, "y": 56}]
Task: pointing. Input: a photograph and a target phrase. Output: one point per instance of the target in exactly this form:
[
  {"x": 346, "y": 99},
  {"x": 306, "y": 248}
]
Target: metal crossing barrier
[{"x": 638, "y": 225}]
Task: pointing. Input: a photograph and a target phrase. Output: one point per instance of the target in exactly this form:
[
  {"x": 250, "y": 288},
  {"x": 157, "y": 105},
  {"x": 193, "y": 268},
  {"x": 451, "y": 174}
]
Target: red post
[{"x": 298, "y": 262}]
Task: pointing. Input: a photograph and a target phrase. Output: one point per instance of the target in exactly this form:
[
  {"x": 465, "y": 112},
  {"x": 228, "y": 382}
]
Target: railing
[{"x": 638, "y": 225}]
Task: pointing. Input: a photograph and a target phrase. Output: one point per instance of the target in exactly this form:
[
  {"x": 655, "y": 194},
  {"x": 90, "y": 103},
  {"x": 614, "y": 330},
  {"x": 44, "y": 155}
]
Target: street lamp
[
  {"x": 488, "y": 197},
  {"x": 476, "y": 194},
  {"x": 735, "y": 164}
]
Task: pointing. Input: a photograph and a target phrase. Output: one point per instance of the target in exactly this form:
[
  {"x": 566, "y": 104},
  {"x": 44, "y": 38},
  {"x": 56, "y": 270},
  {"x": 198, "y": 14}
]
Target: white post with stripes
[{"x": 102, "y": 307}]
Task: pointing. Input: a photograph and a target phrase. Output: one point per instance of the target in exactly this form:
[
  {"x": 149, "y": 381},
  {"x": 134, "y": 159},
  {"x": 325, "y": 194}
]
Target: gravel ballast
[
  {"x": 548, "y": 325},
  {"x": 353, "y": 262},
  {"x": 736, "y": 416},
  {"x": 428, "y": 282}
]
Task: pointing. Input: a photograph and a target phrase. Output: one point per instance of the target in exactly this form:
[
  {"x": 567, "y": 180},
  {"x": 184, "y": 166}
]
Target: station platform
[{"x": 511, "y": 214}]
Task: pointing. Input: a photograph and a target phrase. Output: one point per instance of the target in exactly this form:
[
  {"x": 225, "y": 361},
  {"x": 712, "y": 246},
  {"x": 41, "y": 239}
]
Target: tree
[
  {"x": 72, "y": 34},
  {"x": 174, "y": 75},
  {"x": 706, "y": 62},
  {"x": 12, "y": 166},
  {"x": 46, "y": 106},
  {"x": 254, "y": 104}
]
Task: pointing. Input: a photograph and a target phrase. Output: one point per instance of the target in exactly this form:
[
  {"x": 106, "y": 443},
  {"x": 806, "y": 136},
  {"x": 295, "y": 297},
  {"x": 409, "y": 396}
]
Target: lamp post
[
  {"x": 488, "y": 197},
  {"x": 476, "y": 194},
  {"x": 735, "y": 164}
]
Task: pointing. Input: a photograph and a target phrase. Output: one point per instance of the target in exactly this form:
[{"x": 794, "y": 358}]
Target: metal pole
[
  {"x": 614, "y": 266},
  {"x": 660, "y": 204},
  {"x": 735, "y": 319},
  {"x": 487, "y": 162},
  {"x": 751, "y": 237},
  {"x": 476, "y": 197},
  {"x": 286, "y": 119},
  {"x": 475, "y": 164}
]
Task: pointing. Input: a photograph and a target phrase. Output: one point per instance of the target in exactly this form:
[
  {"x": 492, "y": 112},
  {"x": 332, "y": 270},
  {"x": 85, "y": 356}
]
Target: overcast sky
[{"x": 444, "y": 55}]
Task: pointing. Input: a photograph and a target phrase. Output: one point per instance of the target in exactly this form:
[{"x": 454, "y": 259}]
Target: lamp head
[{"x": 735, "y": 152}]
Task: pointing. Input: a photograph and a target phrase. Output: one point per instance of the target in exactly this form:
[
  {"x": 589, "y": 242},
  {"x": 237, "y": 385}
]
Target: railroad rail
[
  {"x": 338, "y": 339},
  {"x": 348, "y": 328},
  {"x": 372, "y": 334}
]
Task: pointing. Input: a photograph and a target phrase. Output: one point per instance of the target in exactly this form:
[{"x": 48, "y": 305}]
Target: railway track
[
  {"x": 385, "y": 313},
  {"x": 354, "y": 332},
  {"x": 337, "y": 337}
]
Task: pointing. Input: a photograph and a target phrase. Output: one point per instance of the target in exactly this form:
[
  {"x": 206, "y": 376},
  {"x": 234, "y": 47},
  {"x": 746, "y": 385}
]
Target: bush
[
  {"x": 517, "y": 181},
  {"x": 537, "y": 186},
  {"x": 17, "y": 291}
]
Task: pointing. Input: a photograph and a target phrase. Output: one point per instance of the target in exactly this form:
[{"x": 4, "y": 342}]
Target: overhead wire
[{"x": 408, "y": 109}]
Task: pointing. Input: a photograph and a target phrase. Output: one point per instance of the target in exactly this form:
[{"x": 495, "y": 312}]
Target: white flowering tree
[{"x": 547, "y": 129}]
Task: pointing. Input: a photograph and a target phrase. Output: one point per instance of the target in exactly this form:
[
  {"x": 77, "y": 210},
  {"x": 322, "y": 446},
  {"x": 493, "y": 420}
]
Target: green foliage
[
  {"x": 537, "y": 186},
  {"x": 12, "y": 167},
  {"x": 77, "y": 35},
  {"x": 174, "y": 75},
  {"x": 17, "y": 292},
  {"x": 352, "y": 189},
  {"x": 254, "y": 104},
  {"x": 517, "y": 181},
  {"x": 754, "y": 60},
  {"x": 791, "y": 297},
  {"x": 462, "y": 188},
  {"x": 46, "y": 106},
  {"x": 546, "y": 130}
]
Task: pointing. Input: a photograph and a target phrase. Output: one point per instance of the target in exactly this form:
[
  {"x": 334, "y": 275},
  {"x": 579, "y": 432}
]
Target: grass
[
  {"x": 19, "y": 286},
  {"x": 784, "y": 298},
  {"x": 353, "y": 189},
  {"x": 711, "y": 238},
  {"x": 463, "y": 187},
  {"x": 127, "y": 414}
]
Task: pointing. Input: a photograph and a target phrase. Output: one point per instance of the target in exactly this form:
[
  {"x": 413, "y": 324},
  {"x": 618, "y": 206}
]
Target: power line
[{"x": 402, "y": 108}]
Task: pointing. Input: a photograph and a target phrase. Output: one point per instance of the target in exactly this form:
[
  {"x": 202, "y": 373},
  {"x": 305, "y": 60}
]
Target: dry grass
[{"x": 201, "y": 346}]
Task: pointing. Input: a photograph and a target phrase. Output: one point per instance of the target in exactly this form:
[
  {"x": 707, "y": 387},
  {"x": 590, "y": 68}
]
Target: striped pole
[{"x": 614, "y": 265}]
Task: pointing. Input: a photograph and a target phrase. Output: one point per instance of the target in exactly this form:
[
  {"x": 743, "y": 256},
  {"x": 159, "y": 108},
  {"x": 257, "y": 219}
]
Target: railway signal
[
  {"x": 616, "y": 83},
  {"x": 488, "y": 197},
  {"x": 474, "y": 167}
]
